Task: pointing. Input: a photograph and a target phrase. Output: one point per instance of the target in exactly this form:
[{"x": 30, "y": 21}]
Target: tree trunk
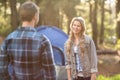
[
  {"x": 102, "y": 23},
  {"x": 70, "y": 15},
  {"x": 5, "y": 7},
  {"x": 14, "y": 14},
  {"x": 118, "y": 18},
  {"x": 90, "y": 11},
  {"x": 51, "y": 16},
  {"x": 94, "y": 24},
  {"x": 38, "y": 2}
]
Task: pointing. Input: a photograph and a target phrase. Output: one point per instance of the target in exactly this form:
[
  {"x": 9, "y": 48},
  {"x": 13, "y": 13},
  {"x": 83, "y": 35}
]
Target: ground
[{"x": 109, "y": 65}]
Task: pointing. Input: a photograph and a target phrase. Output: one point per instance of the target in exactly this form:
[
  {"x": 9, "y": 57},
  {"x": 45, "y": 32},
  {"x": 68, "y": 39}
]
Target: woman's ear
[{"x": 36, "y": 18}]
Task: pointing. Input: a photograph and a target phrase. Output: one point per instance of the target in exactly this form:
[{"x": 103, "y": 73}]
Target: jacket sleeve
[
  {"x": 4, "y": 62},
  {"x": 67, "y": 59},
  {"x": 48, "y": 60},
  {"x": 93, "y": 57}
]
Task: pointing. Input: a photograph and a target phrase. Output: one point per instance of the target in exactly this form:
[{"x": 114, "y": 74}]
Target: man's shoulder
[
  {"x": 34, "y": 36},
  {"x": 11, "y": 35}
]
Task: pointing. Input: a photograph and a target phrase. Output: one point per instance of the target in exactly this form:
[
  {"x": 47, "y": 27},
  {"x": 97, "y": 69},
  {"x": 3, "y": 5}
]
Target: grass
[{"x": 116, "y": 77}]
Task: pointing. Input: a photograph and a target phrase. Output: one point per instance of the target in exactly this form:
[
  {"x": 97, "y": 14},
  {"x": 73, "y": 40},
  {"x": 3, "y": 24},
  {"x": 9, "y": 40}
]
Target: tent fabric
[
  {"x": 55, "y": 35},
  {"x": 57, "y": 38}
]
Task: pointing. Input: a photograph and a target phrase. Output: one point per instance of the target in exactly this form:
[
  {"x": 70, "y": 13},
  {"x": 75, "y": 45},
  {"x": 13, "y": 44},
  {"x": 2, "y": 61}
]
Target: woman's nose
[{"x": 75, "y": 27}]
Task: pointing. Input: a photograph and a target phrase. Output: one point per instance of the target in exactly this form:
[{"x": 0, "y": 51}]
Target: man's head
[{"x": 29, "y": 11}]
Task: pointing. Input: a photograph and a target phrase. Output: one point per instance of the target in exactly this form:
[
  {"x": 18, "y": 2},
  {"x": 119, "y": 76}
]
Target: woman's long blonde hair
[{"x": 71, "y": 36}]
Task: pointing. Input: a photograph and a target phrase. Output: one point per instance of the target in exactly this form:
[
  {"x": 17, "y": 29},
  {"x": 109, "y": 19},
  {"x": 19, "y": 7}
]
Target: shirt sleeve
[
  {"x": 93, "y": 57},
  {"x": 48, "y": 61},
  {"x": 4, "y": 62}
]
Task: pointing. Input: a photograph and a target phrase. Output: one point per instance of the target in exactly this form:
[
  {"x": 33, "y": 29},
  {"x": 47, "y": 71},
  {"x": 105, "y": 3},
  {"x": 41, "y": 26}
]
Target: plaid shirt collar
[{"x": 27, "y": 28}]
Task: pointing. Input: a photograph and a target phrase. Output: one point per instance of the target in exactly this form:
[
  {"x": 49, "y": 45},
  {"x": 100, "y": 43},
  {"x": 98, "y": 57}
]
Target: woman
[{"x": 81, "y": 58}]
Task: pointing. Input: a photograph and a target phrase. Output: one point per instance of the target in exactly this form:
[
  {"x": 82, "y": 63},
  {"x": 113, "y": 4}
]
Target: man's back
[{"x": 30, "y": 55}]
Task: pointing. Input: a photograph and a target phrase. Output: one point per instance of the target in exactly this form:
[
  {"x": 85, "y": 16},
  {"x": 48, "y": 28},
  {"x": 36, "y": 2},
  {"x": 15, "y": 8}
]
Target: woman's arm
[
  {"x": 69, "y": 74},
  {"x": 68, "y": 63},
  {"x": 93, "y": 76},
  {"x": 93, "y": 56}
]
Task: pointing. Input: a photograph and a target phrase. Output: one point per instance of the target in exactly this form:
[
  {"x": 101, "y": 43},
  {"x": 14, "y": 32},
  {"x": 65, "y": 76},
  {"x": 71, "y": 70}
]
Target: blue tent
[{"x": 57, "y": 38}]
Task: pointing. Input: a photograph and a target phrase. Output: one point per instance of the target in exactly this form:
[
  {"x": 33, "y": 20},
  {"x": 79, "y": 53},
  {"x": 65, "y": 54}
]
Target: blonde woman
[{"x": 81, "y": 58}]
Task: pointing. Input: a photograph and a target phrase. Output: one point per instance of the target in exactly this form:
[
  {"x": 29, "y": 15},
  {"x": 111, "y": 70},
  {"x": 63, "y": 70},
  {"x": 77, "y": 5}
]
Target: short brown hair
[{"x": 28, "y": 10}]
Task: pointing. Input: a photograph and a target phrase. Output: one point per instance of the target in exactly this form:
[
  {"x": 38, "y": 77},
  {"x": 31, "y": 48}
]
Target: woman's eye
[{"x": 74, "y": 25}]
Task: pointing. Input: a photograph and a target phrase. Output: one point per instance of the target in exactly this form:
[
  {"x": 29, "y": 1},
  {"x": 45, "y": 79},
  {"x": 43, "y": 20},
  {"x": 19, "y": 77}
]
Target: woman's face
[{"x": 76, "y": 27}]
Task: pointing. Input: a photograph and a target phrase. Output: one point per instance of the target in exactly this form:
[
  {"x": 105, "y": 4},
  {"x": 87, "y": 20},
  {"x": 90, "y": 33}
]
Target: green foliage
[
  {"x": 101, "y": 77},
  {"x": 5, "y": 27},
  {"x": 4, "y": 31},
  {"x": 116, "y": 77}
]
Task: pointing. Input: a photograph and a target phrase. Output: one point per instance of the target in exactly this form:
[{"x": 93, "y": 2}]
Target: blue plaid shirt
[{"x": 29, "y": 55}]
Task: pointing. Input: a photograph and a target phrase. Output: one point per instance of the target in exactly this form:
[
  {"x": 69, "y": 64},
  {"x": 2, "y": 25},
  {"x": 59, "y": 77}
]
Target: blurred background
[{"x": 102, "y": 22}]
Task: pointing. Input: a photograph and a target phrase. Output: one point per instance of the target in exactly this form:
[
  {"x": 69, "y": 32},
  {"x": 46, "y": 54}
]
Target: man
[{"x": 28, "y": 53}]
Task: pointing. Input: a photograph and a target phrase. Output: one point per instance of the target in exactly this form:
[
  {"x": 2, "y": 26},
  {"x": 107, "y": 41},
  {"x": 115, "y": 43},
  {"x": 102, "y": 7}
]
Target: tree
[
  {"x": 94, "y": 24},
  {"x": 118, "y": 18},
  {"x": 14, "y": 14},
  {"x": 90, "y": 11},
  {"x": 69, "y": 9},
  {"x": 49, "y": 11},
  {"x": 50, "y": 14},
  {"x": 102, "y": 22},
  {"x": 5, "y": 7}
]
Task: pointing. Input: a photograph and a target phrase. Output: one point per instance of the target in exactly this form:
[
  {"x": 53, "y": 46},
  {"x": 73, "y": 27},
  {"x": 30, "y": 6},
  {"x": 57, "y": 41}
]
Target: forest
[{"x": 102, "y": 24}]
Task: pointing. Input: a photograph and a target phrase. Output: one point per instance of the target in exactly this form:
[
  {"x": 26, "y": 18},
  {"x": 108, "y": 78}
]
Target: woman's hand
[
  {"x": 93, "y": 76},
  {"x": 69, "y": 74}
]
